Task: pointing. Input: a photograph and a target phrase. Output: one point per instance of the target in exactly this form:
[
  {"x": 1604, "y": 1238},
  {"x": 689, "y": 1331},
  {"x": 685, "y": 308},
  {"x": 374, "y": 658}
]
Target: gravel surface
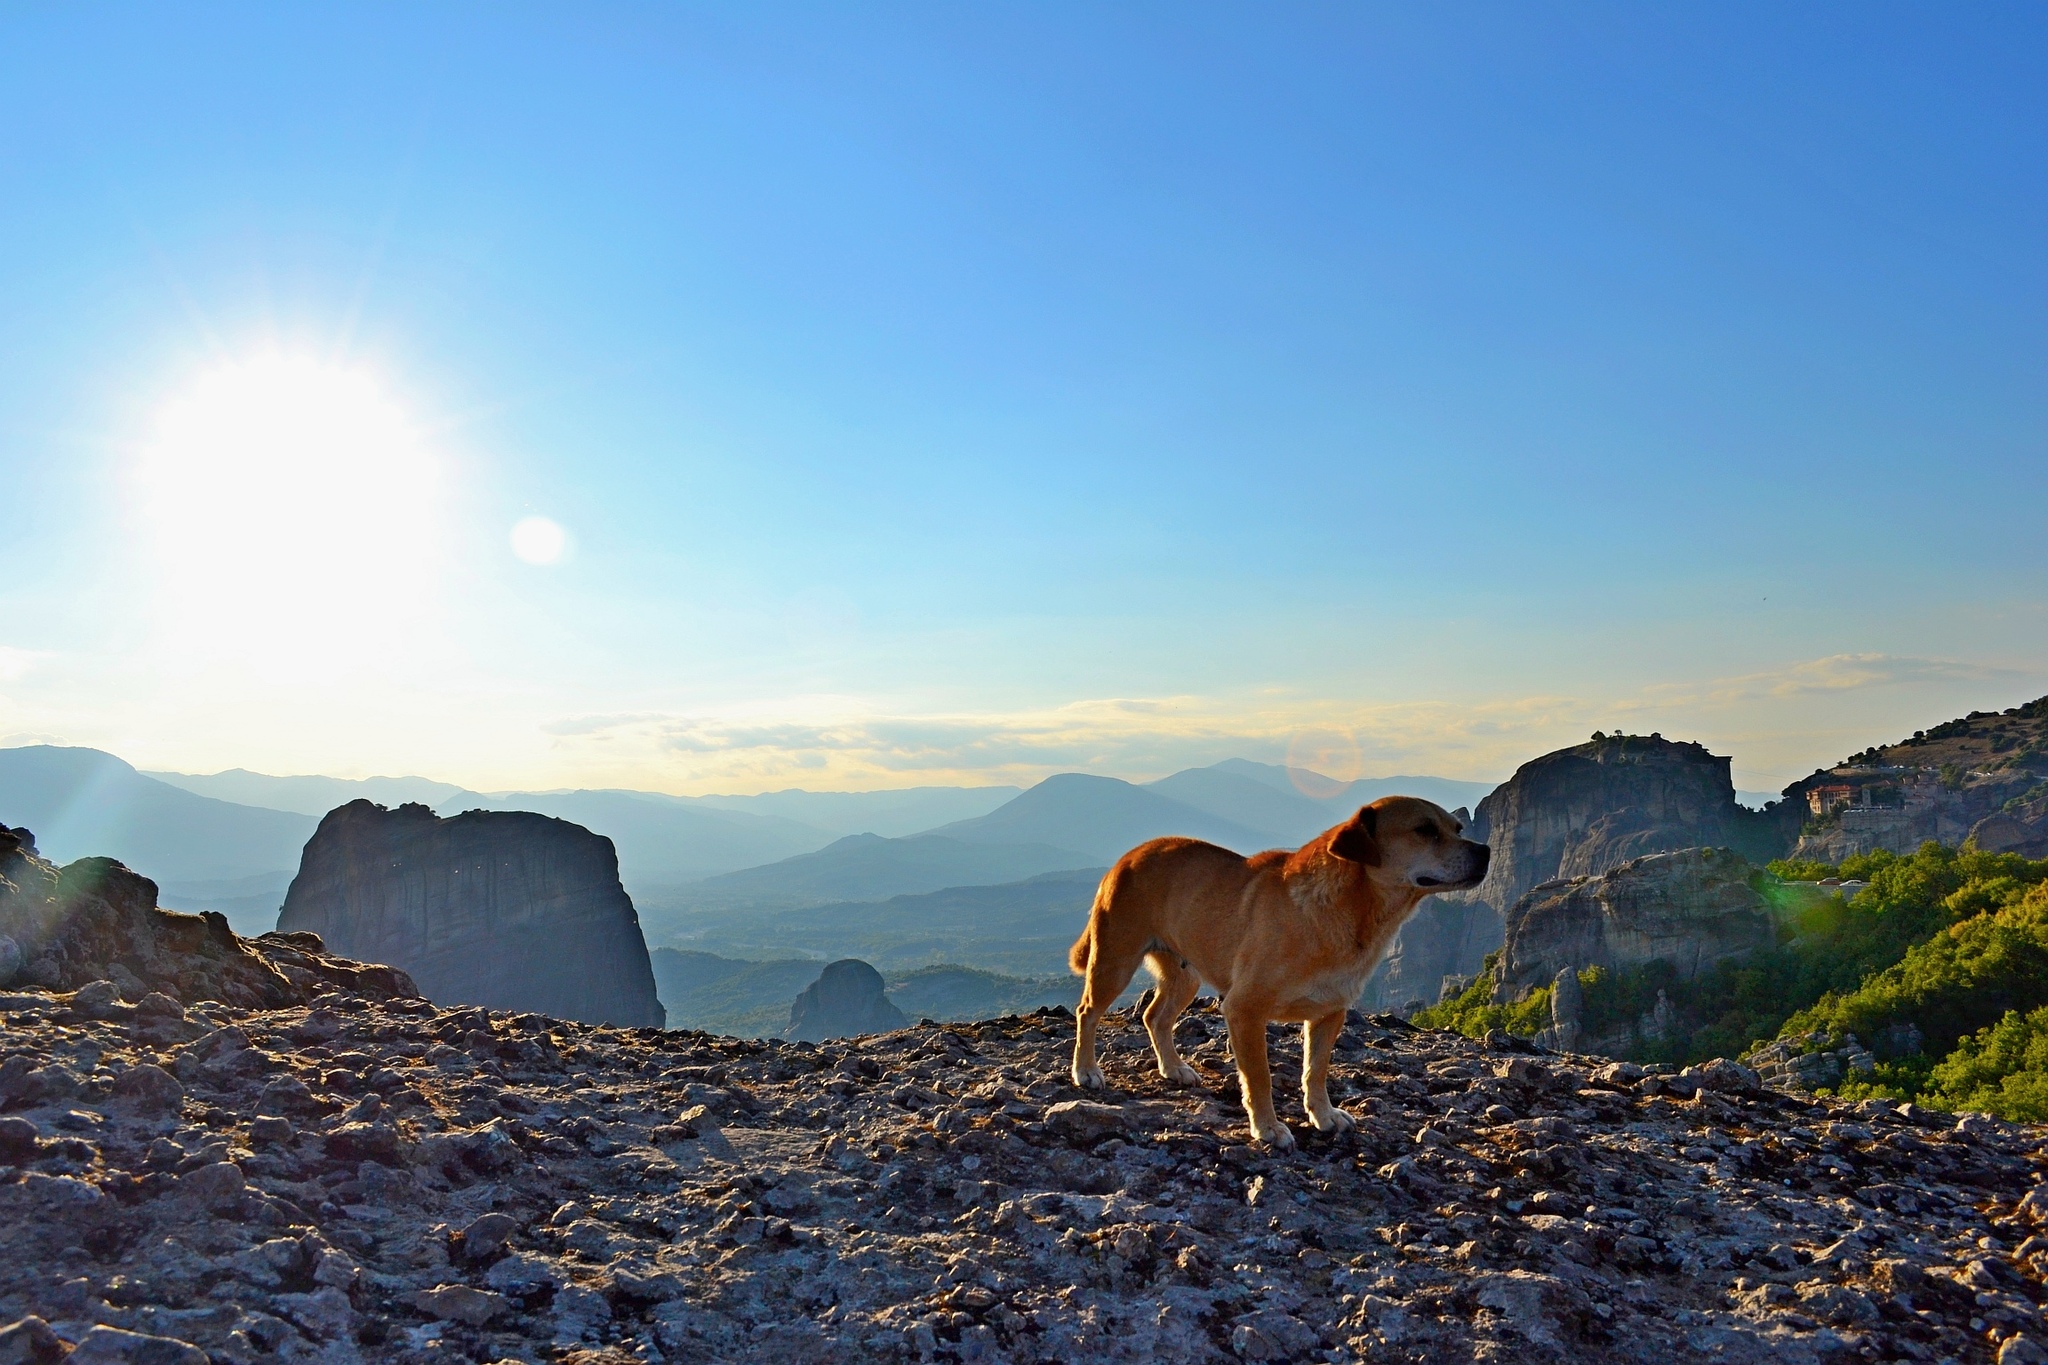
[{"x": 373, "y": 1178}]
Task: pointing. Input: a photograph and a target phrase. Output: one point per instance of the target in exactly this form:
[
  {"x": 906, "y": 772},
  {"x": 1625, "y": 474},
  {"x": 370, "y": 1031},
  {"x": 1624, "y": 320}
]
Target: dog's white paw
[
  {"x": 1090, "y": 1077},
  {"x": 1182, "y": 1074},
  {"x": 1331, "y": 1120},
  {"x": 1277, "y": 1135}
]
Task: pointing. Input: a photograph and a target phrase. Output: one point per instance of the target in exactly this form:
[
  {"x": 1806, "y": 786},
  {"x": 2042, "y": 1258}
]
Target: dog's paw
[
  {"x": 1090, "y": 1077},
  {"x": 1183, "y": 1074},
  {"x": 1331, "y": 1120},
  {"x": 1276, "y": 1135}
]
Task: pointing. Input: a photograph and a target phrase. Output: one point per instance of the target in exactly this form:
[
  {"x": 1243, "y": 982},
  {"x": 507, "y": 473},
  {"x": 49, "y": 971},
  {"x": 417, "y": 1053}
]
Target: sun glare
[{"x": 284, "y": 492}]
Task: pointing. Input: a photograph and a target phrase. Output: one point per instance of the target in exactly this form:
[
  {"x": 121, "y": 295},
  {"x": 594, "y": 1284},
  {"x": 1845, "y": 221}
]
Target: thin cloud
[
  {"x": 840, "y": 742},
  {"x": 1136, "y": 736},
  {"x": 1849, "y": 672},
  {"x": 16, "y": 664}
]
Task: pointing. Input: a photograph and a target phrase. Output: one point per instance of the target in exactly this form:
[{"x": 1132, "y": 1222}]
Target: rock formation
[
  {"x": 2020, "y": 826},
  {"x": 1692, "y": 909},
  {"x": 845, "y": 1001},
  {"x": 94, "y": 927},
  {"x": 501, "y": 908},
  {"x": 1573, "y": 813}
]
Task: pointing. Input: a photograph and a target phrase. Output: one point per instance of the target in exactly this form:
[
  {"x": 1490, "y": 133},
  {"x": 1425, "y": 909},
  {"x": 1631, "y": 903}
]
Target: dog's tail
[{"x": 1078, "y": 955}]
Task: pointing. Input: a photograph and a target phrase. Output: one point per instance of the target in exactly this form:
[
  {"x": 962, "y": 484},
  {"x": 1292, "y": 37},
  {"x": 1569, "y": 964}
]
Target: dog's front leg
[
  {"x": 1087, "y": 1071},
  {"x": 1318, "y": 1037},
  {"x": 1246, "y": 1021}
]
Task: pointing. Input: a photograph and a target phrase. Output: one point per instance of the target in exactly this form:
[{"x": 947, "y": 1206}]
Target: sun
[{"x": 284, "y": 492}]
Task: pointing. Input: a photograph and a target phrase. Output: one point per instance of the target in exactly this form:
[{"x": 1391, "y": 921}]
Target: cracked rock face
[
  {"x": 354, "y": 1178},
  {"x": 505, "y": 909},
  {"x": 1693, "y": 909}
]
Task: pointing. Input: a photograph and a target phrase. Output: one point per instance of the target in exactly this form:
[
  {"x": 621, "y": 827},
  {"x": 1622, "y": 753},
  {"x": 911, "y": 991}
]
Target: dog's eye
[{"x": 1427, "y": 831}]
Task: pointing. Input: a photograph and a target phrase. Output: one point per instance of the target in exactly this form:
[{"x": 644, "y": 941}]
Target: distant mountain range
[
  {"x": 861, "y": 867},
  {"x": 752, "y": 999},
  {"x": 661, "y": 839},
  {"x": 1022, "y": 926},
  {"x": 199, "y": 850},
  {"x": 231, "y": 840},
  {"x": 312, "y": 795},
  {"x": 890, "y": 814}
]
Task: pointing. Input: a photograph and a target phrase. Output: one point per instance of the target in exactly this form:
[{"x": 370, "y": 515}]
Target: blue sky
[{"x": 959, "y": 393}]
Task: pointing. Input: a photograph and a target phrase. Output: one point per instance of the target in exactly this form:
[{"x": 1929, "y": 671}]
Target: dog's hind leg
[
  {"x": 1318, "y": 1037},
  {"x": 1246, "y": 1019},
  {"x": 1109, "y": 969},
  {"x": 1177, "y": 986}
]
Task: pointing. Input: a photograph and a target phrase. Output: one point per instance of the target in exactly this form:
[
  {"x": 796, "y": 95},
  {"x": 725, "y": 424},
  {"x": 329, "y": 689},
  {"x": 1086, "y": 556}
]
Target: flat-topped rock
[{"x": 507, "y": 909}]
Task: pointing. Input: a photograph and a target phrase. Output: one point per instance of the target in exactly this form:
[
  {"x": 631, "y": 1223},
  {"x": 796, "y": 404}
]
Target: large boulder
[
  {"x": 505, "y": 909},
  {"x": 1692, "y": 909},
  {"x": 844, "y": 1001},
  {"x": 1573, "y": 813},
  {"x": 95, "y": 921},
  {"x": 2020, "y": 825}
]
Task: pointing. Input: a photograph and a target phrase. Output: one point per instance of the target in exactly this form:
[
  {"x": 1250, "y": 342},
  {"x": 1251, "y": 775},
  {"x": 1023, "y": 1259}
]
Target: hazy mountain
[
  {"x": 1024, "y": 927},
  {"x": 1448, "y": 792},
  {"x": 724, "y": 995},
  {"x": 860, "y": 866},
  {"x": 955, "y": 992},
  {"x": 891, "y": 814},
  {"x": 81, "y": 802},
  {"x": 312, "y": 795},
  {"x": 1100, "y": 817},
  {"x": 663, "y": 840},
  {"x": 752, "y": 999},
  {"x": 1284, "y": 815},
  {"x": 250, "y": 903}
]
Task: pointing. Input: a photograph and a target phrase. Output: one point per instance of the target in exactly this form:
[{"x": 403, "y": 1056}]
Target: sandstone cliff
[
  {"x": 2019, "y": 826},
  {"x": 501, "y": 908},
  {"x": 1692, "y": 909},
  {"x": 844, "y": 1002},
  {"x": 1573, "y": 813}
]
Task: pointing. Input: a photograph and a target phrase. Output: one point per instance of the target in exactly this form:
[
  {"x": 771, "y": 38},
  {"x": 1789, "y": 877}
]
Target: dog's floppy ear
[{"x": 1358, "y": 840}]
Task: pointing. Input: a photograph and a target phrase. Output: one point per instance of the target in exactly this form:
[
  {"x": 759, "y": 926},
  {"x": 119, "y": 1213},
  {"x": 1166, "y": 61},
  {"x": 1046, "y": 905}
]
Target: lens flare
[{"x": 537, "y": 540}]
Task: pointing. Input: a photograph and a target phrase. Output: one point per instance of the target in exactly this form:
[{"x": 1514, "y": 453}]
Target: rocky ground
[
  {"x": 243, "y": 1150},
  {"x": 362, "y": 1178}
]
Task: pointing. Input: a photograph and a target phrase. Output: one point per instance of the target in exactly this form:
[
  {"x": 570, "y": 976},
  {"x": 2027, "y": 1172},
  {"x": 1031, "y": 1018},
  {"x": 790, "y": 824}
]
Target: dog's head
[{"x": 1406, "y": 841}]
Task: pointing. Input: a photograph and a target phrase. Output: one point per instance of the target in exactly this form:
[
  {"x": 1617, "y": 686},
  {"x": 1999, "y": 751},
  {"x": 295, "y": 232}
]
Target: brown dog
[{"x": 1290, "y": 936}]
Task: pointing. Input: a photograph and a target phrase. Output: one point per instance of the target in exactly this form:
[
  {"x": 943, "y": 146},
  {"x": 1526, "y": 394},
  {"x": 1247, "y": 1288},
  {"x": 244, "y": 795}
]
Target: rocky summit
[
  {"x": 500, "y": 908},
  {"x": 95, "y": 926},
  {"x": 1573, "y": 813},
  {"x": 363, "y": 1177}
]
